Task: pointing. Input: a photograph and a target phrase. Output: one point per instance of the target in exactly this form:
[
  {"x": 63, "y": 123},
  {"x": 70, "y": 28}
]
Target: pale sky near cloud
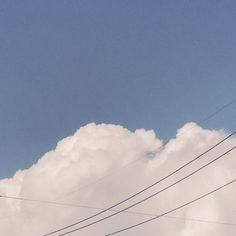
[{"x": 96, "y": 150}]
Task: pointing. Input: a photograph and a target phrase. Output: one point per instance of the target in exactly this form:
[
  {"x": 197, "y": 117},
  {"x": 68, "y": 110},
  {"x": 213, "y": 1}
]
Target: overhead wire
[
  {"x": 105, "y": 176},
  {"x": 210, "y": 116},
  {"x": 220, "y": 109},
  {"x": 132, "y": 162},
  {"x": 143, "y": 190},
  {"x": 113, "y": 210},
  {"x": 184, "y": 218},
  {"x": 44, "y": 201},
  {"x": 172, "y": 210},
  {"x": 111, "y": 173},
  {"x": 145, "y": 199}
]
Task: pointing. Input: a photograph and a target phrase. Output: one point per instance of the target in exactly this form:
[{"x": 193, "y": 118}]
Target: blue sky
[{"x": 141, "y": 64}]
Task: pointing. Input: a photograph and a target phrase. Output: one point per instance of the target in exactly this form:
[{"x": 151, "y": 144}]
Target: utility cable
[
  {"x": 172, "y": 210},
  {"x": 143, "y": 190},
  {"x": 217, "y": 111},
  {"x": 44, "y": 201},
  {"x": 210, "y": 116},
  {"x": 150, "y": 196},
  {"x": 113, "y": 210},
  {"x": 104, "y": 176}
]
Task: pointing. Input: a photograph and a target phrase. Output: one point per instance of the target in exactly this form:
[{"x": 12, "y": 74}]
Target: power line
[
  {"x": 172, "y": 210},
  {"x": 113, "y": 210},
  {"x": 201, "y": 221},
  {"x": 102, "y": 219},
  {"x": 105, "y": 176},
  {"x": 136, "y": 193},
  {"x": 150, "y": 196},
  {"x": 217, "y": 111},
  {"x": 184, "y": 218},
  {"x": 109, "y": 174},
  {"x": 210, "y": 116},
  {"x": 44, "y": 201}
]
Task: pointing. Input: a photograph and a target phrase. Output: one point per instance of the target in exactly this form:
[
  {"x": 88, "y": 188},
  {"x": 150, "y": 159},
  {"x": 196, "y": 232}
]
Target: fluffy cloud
[{"x": 74, "y": 173}]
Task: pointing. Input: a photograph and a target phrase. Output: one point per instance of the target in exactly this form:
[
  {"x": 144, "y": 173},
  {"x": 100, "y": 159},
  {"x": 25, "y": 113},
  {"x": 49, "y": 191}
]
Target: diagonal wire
[
  {"x": 172, "y": 210},
  {"x": 113, "y": 210},
  {"x": 109, "y": 216},
  {"x": 210, "y": 116},
  {"x": 217, "y": 111},
  {"x": 104, "y": 176}
]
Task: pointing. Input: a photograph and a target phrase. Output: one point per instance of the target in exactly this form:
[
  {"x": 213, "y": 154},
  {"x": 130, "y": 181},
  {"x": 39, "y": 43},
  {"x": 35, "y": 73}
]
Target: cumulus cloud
[{"x": 74, "y": 173}]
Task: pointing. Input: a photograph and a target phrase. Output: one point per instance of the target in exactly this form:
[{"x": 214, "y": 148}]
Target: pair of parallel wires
[
  {"x": 150, "y": 196},
  {"x": 143, "y": 190}
]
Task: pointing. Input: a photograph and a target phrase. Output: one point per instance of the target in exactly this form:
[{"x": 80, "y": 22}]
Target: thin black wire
[
  {"x": 46, "y": 202},
  {"x": 132, "y": 196},
  {"x": 113, "y": 210},
  {"x": 217, "y": 111},
  {"x": 184, "y": 218},
  {"x": 150, "y": 196},
  {"x": 210, "y": 116},
  {"x": 109, "y": 174},
  {"x": 175, "y": 209},
  {"x": 104, "y": 176},
  {"x": 84, "y": 206},
  {"x": 102, "y": 219}
]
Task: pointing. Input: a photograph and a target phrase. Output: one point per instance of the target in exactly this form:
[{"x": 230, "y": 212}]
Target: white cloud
[{"x": 95, "y": 151}]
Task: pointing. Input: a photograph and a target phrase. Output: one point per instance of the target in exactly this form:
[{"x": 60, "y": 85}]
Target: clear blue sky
[{"x": 152, "y": 64}]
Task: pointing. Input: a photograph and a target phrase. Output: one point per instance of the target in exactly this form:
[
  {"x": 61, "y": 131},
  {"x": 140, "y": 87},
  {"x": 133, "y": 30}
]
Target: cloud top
[{"x": 71, "y": 171}]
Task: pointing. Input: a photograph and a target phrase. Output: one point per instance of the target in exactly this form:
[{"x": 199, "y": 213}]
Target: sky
[
  {"x": 140, "y": 64},
  {"x": 89, "y": 87}
]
